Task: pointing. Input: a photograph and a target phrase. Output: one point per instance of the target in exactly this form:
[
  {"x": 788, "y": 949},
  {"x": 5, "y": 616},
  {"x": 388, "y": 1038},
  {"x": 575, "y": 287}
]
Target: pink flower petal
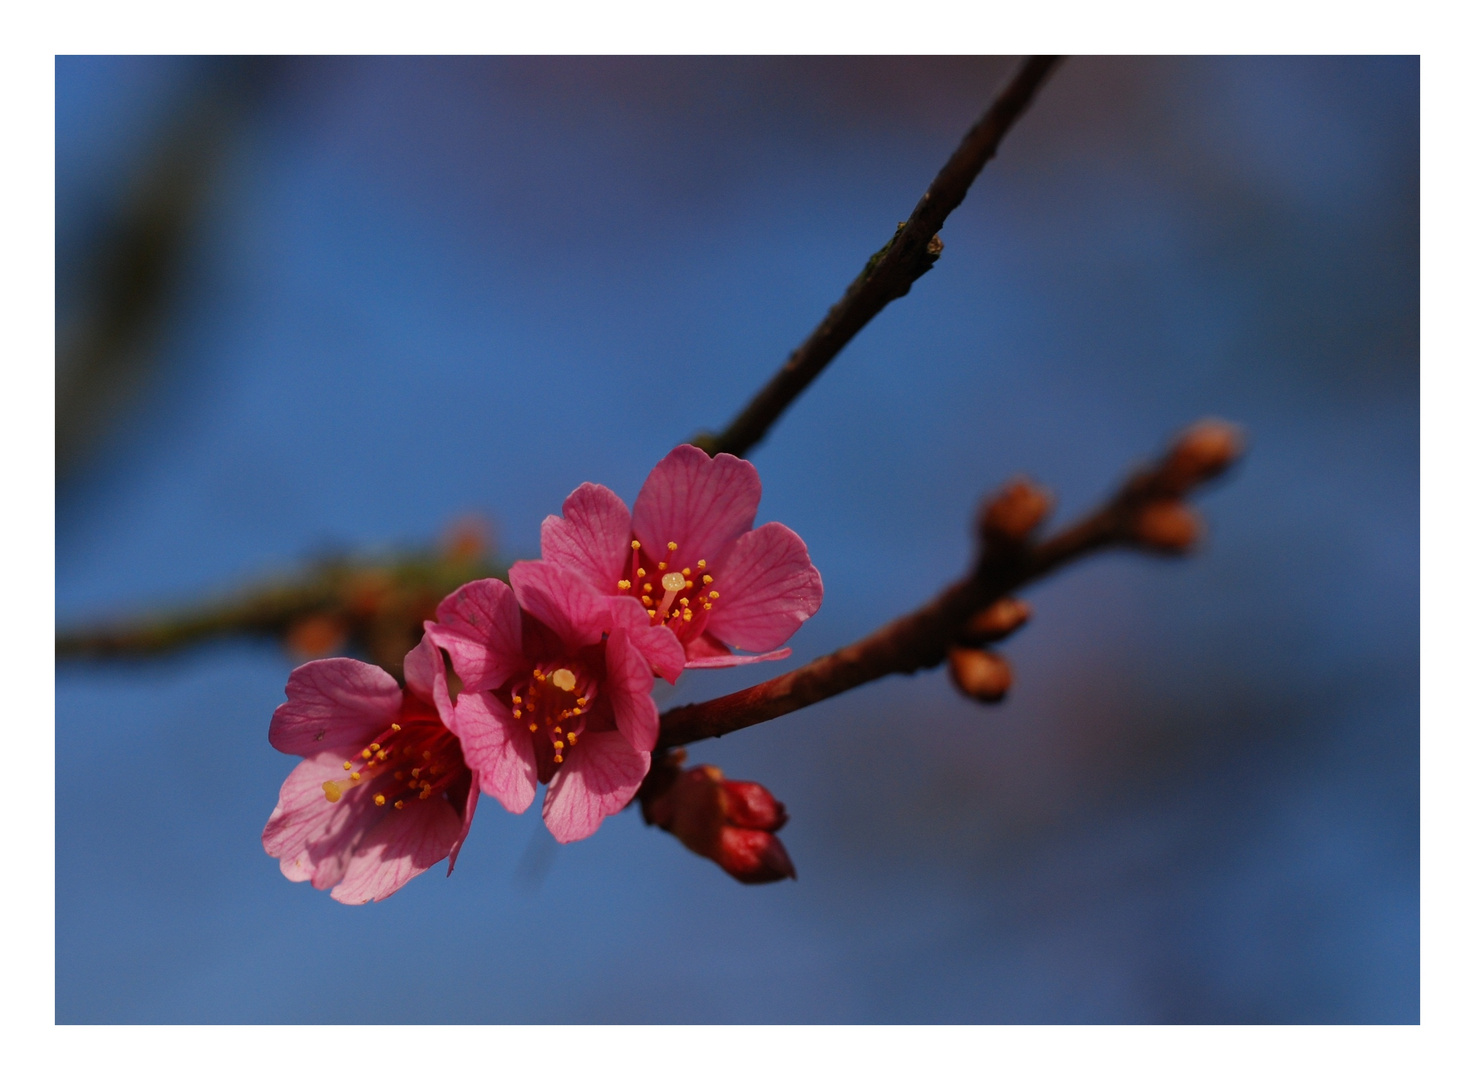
[
  {"x": 334, "y": 703},
  {"x": 599, "y": 779},
  {"x": 498, "y": 749},
  {"x": 592, "y": 537},
  {"x": 562, "y": 600},
  {"x": 480, "y": 626},
  {"x": 768, "y": 588},
  {"x": 628, "y": 683},
  {"x": 734, "y": 660},
  {"x": 658, "y": 644},
  {"x": 467, "y": 813},
  {"x": 425, "y": 670},
  {"x": 315, "y": 839},
  {"x": 701, "y": 503},
  {"x": 403, "y": 844}
]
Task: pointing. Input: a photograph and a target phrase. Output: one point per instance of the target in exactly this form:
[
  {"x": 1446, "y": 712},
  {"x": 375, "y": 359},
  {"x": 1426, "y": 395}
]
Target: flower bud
[
  {"x": 1201, "y": 453},
  {"x": 1169, "y": 526},
  {"x": 996, "y": 622},
  {"x": 1015, "y": 512},
  {"x": 981, "y": 675},
  {"x": 731, "y": 822}
]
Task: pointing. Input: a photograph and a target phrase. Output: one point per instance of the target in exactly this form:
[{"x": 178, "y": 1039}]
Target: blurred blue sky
[{"x": 425, "y": 287}]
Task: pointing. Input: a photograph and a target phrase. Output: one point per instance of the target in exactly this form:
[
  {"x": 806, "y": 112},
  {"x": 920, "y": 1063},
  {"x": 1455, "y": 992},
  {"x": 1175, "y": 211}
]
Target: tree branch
[
  {"x": 1146, "y": 512},
  {"x": 889, "y": 273}
]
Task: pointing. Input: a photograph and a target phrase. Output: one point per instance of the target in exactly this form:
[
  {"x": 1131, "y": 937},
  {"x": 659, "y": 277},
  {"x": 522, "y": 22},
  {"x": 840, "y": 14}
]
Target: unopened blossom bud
[
  {"x": 996, "y": 622},
  {"x": 1015, "y": 512},
  {"x": 1201, "y": 453},
  {"x": 1169, "y": 526},
  {"x": 731, "y": 822},
  {"x": 981, "y": 675}
]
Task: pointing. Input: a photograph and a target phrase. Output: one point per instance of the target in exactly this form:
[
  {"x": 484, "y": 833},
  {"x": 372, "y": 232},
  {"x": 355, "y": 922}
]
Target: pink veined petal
[
  {"x": 403, "y": 844},
  {"x": 592, "y": 537},
  {"x": 467, "y": 813},
  {"x": 315, "y": 839},
  {"x": 628, "y": 683},
  {"x": 562, "y": 600},
  {"x": 701, "y": 503},
  {"x": 600, "y": 778},
  {"x": 768, "y": 588},
  {"x": 658, "y": 644},
  {"x": 333, "y": 703},
  {"x": 733, "y": 659},
  {"x": 498, "y": 749},
  {"x": 480, "y": 626},
  {"x": 425, "y": 671}
]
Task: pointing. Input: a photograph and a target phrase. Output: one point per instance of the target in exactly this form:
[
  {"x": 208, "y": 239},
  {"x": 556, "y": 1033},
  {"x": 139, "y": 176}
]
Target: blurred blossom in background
[{"x": 384, "y": 293}]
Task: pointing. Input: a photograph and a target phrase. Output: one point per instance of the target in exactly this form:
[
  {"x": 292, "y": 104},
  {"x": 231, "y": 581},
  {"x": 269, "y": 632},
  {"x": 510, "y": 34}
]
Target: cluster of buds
[
  {"x": 978, "y": 673},
  {"x": 1163, "y": 522},
  {"x": 731, "y": 822}
]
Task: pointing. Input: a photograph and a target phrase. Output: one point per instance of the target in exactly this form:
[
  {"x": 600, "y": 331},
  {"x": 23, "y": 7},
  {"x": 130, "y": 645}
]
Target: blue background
[{"x": 419, "y": 288}]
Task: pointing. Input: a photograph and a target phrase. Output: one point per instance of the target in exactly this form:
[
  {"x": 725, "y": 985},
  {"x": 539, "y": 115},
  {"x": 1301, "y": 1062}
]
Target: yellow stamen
[
  {"x": 706, "y": 579},
  {"x": 347, "y": 765},
  {"x": 701, "y": 564},
  {"x": 332, "y": 791},
  {"x": 532, "y": 727},
  {"x": 660, "y": 566},
  {"x": 558, "y": 758},
  {"x": 640, "y": 572},
  {"x": 686, "y": 572},
  {"x": 399, "y": 804},
  {"x": 573, "y": 737},
  {"x": 426, "y": 755},
  {"x": 373, "y": 746},
  {"x": 355, "y": 777},
  {"x": 378, "y": 800},
  {"x": 714, "y": 594},
  {"x": 635, "y": 544},
  {"x": 623, "y": 585},
  {"x": 670, "y": 545},
  {"x": 648, "y": 602},
  {"x": 367, "y": 754}
]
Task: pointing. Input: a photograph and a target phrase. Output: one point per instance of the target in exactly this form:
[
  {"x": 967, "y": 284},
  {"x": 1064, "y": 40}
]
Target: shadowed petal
[
  {"x": 425, "y": 672},
  {"x": 733, "y": 659},
  {"x": 701, "y": 503},
  {"x": 768, "y": 586},
  {"x": 658, "y": 644},
  {"x": 468, "y": 811},
  {"x": 600, "y": 778},
  {"x": 403, "y": 844},
  {"x": 592, "y": 537},
  {"x": 498, "y": 749},
  {"x": 628, "y": 684},
  {"x": 480, "y": 626},
  {"x": 333, "y": 703},
  {"x": 562, "y": 600},
  {"x": 315, "y": 839}
]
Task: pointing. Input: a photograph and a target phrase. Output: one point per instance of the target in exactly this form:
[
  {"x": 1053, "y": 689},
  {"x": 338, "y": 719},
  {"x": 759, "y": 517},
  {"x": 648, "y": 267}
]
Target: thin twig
[
  {"x": 1146, "y": 512},
  {"x": 889, "y": 273}
]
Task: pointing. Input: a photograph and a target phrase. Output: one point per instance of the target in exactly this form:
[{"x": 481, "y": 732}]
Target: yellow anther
[
  {"x": 382, "y": 755},
  {"x": 575, "y": 712},
  {"x": 640, "y": 572},
  {"x": 684, "y": 602},
  {"x": 635, "y": 544},
  {"x": 564, "y": 679},
  {"x": 701, "y": 564},
  {"x": 686, "y": 572},
  {"x": 670, "y": 545},
  {"x": 395, "y": 726},
  {"x": 647, "y": 587},
  {"x": 558, "y": 744},
  {"x": 537, "y": 673},
  {"x": 648, "y": 602},
  {"x": 517, "y": 714},
  {"x": 558, "y": 758},
  {"x": 706, "y": 607},
  {"x": 332, "y": 791},
  {"x": 399, "y": 804},
  {"x": 378, "y": 800},
  {"x": 558, "y": 731},
  {"x": 686, "y": 614},
  {"x": 581, "y": 701},
  {"x": 673, "y": 582},
  {"x": 714, "y": 594},
  {"x": 426, "y": 755},
  {"x": 347, "y": 765},
  {"x": 573, "y": 737},
  {"x": 425, "y": 792},
  {"x": 367, "y": 754},
  {"x": 355, "y": 777},
  {"x": 706, "y": 579},
  {"x": 623, "y": 585},
  {"x": 415, "y": 773},
  {"x": 373, "y": 746},
  {"x": 660, "y": 566},
  {"x": 532, "y": 727}
]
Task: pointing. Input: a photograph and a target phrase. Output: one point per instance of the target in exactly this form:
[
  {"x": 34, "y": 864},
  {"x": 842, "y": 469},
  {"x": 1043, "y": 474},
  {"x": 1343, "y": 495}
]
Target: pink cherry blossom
[
  {"x": 383, "y": 792},
  {"x": 556, "y": 689},
  {"x": 691, "y": 556}
]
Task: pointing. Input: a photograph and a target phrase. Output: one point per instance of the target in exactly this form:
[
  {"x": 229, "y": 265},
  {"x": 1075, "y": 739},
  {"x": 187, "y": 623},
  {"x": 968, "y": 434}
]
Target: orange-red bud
[
  {"x": 981, "y": 675},
  {"x": 996, "y": 622},
  {"x": 1201, "y": 453},
  {"x": 1170, "y": 526},
  {"x": 1015, "y": 512},
  {"x": 731, "y": 822}
]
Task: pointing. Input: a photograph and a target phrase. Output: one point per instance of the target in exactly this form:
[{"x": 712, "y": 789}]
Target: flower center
[
  {"x": 674, "y": 598},
  {"x": 554, "y": 702},
  {"x": 414, "y": 758}
]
